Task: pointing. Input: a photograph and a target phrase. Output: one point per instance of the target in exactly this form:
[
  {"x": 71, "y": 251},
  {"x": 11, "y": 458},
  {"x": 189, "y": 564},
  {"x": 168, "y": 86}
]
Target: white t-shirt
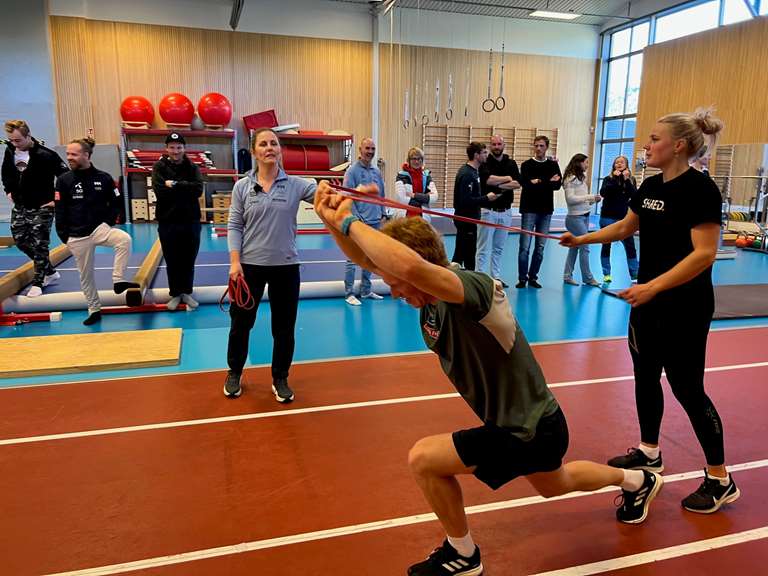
[{"x": 21, "y": 159}]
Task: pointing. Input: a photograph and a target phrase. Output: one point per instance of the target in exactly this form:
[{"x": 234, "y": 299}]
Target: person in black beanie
[{"x": 178, "y": 184}]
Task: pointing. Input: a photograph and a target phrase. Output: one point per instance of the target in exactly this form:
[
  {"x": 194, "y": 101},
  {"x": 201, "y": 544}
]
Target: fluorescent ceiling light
[{"x": 554, "y": 15}]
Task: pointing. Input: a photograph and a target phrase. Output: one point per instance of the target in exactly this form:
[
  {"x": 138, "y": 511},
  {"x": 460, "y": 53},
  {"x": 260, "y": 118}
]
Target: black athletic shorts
[{"x": 501, "y": 456}]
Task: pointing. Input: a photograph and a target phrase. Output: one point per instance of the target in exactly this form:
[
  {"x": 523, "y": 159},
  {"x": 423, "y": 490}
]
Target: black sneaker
[
  {"x": 520, "y": 284},
  {"x": 446, "y": 561},
  {"x": 710, "y": 496},
  {"x": 93, "y": 318},
  {"x": 634, "y": 505},
  {"x": 534, "y": 284},
  {"x": 282, "y": 391},
  {"x": 232, "y": 388},
  {"x": 635, "y": 459}
]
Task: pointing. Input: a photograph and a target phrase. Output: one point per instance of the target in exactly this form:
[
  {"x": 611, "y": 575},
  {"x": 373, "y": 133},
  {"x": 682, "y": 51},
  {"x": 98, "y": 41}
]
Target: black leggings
[
  {"x": 283, "y": 302},
  {"x": 663, "y": 338},
  {"x": 466, "y": 244}
]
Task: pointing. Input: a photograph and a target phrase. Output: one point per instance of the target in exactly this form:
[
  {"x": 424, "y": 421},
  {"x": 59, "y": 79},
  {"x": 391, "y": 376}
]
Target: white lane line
[
  {"x": 359, "y": 528},
  {"x": 311, "y": 410},
  {"x": 662, "y": 554}
]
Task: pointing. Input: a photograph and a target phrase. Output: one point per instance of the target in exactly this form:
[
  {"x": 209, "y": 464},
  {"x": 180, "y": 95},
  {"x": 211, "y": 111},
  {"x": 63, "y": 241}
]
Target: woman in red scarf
[{"x": 414, "y": 184}]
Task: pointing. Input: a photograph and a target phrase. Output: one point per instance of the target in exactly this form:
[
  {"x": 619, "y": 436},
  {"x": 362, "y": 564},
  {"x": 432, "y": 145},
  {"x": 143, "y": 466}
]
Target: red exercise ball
[
  {"x": 215, "y": 109},
  {"x": 137, "y": 109},
  {"x": 176, "y": 108}
]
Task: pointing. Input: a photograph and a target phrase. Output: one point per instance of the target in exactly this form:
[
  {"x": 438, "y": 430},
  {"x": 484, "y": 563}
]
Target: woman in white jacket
[
  {"x": 414, "y": 185},
  {"x": 579, "y": 201}
]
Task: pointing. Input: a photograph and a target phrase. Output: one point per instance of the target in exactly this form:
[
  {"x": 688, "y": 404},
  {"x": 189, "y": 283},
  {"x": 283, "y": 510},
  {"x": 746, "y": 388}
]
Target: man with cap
[{"x": 178, "y": 184}]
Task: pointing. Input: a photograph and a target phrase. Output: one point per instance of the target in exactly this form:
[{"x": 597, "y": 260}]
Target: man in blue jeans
[
  {"x": 361, "y": 173},
  {"x": 540, "y": 177},
  {"x": 500, "y": 175}
]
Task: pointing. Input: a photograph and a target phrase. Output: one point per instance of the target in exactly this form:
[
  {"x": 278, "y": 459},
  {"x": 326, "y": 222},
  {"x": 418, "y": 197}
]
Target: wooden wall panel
[
  {"x": 722, "y": 67},
  {"x": 321, "y": 84},
  {"x": 541, "y": 91}
]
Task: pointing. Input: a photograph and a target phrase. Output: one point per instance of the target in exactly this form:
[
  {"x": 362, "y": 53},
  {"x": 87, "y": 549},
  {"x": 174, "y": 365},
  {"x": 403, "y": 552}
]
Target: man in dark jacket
[
  {"x": 468, "y": 198},
  {"x": 540, "y": 177},
  {"x": 28, "y": 173},
  {"x": 178, "y": 184},
  {"x": 87, "y": 207}
]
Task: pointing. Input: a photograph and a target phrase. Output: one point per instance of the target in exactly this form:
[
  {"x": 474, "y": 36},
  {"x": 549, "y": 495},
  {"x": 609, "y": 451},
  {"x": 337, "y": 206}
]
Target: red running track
[{"x": 76, "y": 503}]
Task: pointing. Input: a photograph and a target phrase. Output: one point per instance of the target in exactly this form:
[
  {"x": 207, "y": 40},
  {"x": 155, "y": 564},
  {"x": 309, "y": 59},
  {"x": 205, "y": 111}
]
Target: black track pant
[
  {"x": 466, "y": 244},
  {"x": 180, "y": 242},
  {"x": 666, "y": 338},
  {"x": 283, "y": 302}
]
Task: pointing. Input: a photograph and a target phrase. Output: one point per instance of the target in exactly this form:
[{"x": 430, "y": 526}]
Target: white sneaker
[
  {"x": 372, "y": 296},
  {"x": 189, "y": 301},
  {"x": 173, "y": 303},
  {"x": 36, "y": 291},
  {"x": 51, "y": 279},
  {"x": 352, "y": 300}
]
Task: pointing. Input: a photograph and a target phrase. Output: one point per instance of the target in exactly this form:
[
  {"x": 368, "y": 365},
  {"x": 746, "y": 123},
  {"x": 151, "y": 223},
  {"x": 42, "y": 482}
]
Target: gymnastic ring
[
  {"x": 502, "y": 105},
  {"x": 406, "y": 124},
  {"x": 425, "y": 119},
  {"x": 449, "y": 114},
  {"x": 489, "y": 105}
]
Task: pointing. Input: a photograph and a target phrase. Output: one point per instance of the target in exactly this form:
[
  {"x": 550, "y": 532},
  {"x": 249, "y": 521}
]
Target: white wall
[
  {"x": 447, "y": 30},
  {"x": 26, "y": 82},
  {"x": 309, "y": 18}
]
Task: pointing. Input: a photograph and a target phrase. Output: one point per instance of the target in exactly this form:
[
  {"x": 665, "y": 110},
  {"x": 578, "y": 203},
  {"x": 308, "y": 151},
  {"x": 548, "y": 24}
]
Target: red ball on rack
[
  {"x": 176, "y": 108},
  {"x": 215, "y": 109},
  {"x": 137, "y": 109}
]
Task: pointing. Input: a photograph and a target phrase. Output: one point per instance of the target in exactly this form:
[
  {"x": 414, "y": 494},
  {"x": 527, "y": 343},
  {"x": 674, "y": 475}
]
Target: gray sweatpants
[{"x": 83, "y": 248}]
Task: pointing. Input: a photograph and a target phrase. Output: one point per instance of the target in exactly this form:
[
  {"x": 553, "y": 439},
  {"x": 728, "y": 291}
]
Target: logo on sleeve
[
  {"x": 653, "y": 204},
  {"x": 430, "y": 324}
]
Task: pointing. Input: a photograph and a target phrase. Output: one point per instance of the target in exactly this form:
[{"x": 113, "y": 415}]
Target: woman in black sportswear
[{"x": 678, "y": 215}]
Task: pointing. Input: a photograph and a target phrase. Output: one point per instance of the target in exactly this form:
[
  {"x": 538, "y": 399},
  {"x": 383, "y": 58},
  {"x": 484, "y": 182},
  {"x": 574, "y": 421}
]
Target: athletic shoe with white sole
[
  {"x": 281, "y": 390},
  {"x": 371, "y": 296},
  {"x": 352, "y": 300},
  {"x": 711, "y": 495},
  {"x": 446, "y": 561},
  {"x": 173, "y": 303},
  {"x": 189, "y": 301},
  {"x": 34, "y": 292},
  {"x": 635, "y": 459},
  {"x": 51, "y": 278},
  {"x": 232, "y": 387},
  {"x": 634, "y": 505}
]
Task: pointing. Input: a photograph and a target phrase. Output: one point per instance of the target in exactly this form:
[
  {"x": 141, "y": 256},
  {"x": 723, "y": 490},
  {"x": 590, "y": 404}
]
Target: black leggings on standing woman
[
  {"x": 663, "y": 337},
  {"x": 283, "y": 302}
]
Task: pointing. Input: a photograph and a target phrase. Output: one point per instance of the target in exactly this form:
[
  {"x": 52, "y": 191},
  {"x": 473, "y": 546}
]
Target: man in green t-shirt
[{"x": 467, "y": 321}]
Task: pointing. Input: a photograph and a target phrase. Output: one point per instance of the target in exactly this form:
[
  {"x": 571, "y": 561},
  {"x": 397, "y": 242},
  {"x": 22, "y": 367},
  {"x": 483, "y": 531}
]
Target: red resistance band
[
  {"x": 368, "y": 198},
  {"x": 238, "y": 293}
]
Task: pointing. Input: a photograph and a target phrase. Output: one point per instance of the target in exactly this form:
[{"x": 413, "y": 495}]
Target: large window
[
  {"x": 623, "y": 51},
  {"x": 688, "y": 21}
]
